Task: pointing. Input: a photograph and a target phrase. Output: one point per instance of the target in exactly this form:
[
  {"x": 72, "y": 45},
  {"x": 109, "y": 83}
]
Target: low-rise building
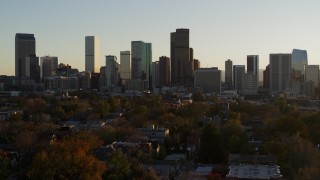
[{"x": 155, "y": 133}]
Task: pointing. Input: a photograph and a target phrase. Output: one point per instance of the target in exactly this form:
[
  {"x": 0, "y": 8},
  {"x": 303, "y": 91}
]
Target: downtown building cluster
[
  {"x": 287, "y": 74},
  {"x": 135, "y": 71}
]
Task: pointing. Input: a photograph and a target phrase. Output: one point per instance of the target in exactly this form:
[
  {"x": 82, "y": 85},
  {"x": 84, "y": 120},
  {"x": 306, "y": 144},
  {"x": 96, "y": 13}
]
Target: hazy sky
[{"x": 219, "y": 29}]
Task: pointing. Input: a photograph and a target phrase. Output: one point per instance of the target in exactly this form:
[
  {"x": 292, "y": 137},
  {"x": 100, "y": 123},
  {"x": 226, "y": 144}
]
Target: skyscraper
[
  {"x": 266, "y": 77},
  {"x": 125, "y": 65},
  {"x": 181, "y": 58},
  {"x": 208, "y": 80},
  {"x": 141, "y": 60},
  {"x": 91, "y": 54},
  {"x": 32, "y": 68},
  {"x": 155, "y": 74},
  {"x": 112, "y": 74},
  {"x": 253, "y": 67},
  {"x": 48, "y": 66},
  {"x": 164, "y": 71},
  {"x": 238, "y": 72},
  {"x": 196, "y": 64},
  {"x": 280, "y": 71},
  {"x": 25, "y": 45},
  {"x": 228, "y": 74},
  {"x": 299, "y": 59},
  {"x": 312, "y": 74},
  {"x": 249, "y": 84}
]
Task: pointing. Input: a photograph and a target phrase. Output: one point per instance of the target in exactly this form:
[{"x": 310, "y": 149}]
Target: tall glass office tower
[
  {"x": 92, "y": 54},
  {"x": 280, "y": 71},
  {"x": 141, "y": 57},
  {"x": 299, "y": 59},
  {"x": 25, "y": 47},
  {"x": 182, "y": 68},
  {"x": 228, "y": 74},
  {"x": 125, "y": 65}
]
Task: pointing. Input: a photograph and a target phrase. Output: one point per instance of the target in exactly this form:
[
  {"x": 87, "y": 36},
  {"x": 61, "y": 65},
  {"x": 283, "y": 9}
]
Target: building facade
[
  {"x": 182, "y": 67},
  {"x": 164, "y": 71},
  {"x": 266, "y": 77},
  {"x": 112, "y": 73},
  {"x": 238, "y": 72},
  {"x": 228, "y": 74},
  {"x": 196, "y": 64},
  {"x": 280, "y": 71},
  {"x": 25, "y": 46},
  {"x": 141, "y": 56},
  {"x": 125, "y": 65},
  {"x": 312, "y": 74},
  {"x": 208, "y": 80},
  {"x": 32, "y": 68},
  {"x": 48, "y": 66},
  {"x": 299, "y": 59},
  {"x": 92, "y": 54},
  {"x": 253, "y": 66},
  {"x": 249, "y": 85},
  {"x": 155, "y": 74}
]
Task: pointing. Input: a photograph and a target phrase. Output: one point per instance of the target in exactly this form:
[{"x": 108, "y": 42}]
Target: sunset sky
[{"x": 219, "y": 30}]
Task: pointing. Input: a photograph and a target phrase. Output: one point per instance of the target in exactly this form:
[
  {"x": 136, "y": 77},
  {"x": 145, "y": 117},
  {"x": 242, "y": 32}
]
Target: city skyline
[{"x": 218, "y": 30}]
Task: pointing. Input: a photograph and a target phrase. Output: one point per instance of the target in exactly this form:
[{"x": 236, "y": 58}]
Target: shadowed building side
[{"x": 25, "y": 46}]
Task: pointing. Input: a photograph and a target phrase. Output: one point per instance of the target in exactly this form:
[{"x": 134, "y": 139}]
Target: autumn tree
[
  {"x": 296, "y": 156},
  {"x": 69, "y": 158},
  {"x": 118, "y": 166},
  {"x": 115, "y": 104},
  {"x": 100, "y": 107},
  {"x": 234, "y": 135}
]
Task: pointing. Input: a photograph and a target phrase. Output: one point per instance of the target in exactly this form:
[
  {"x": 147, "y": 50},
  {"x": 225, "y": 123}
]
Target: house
[{"x": 155, "y": 133}]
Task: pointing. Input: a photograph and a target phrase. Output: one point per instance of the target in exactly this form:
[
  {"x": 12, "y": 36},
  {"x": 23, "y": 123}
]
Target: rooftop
[{"x": 251, "y": 171}]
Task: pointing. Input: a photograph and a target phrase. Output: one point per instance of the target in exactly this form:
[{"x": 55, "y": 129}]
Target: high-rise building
[
  {"x": 112, "y": 73},
  {"x": 208, "y": 80},
  {"x": 48, "y": 66},
  {"x": 280, "y": 71},
  {"x": 103, "y": 78},
  {"x": 155, "y": 73},
  {"x": 238, "y": 72},
  {"x": 253, "y": 66},
  {"x": 196, "y": 64},
  {"x": 141, "y": 60},
  {"x": 85, "y": 80},
  {"x": 125, "y": 65},
  {"x": 312, "y": 74},
  {"x": 299, "y": 59},
  {"x": 25, "y": 46},
  {"x": 228, "y": 74},
  {"x": 249, "y": 84},
  {"x": 92, "y": 54},
  {"x": 266, "y": 77},
  {"x": 32, "y": 68},
  {"x": 164, "y": 71},
  {"x": 182, "y": 67}
]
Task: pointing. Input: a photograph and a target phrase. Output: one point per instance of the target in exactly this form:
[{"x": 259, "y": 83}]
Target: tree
[
  {"x": 119, "y": 166},
  {"x": 234, "y": 136},
  {"x": 69, "y": 158},
  {"x": 101, "y": 107},
  {"x": 35, "y": 106},
  {"x": 211, "y": 145},
  {"x": 4, "y": 164},
  {"x": 107, "y": 134},
  {"x": 297, "y": 156},
  {"x": 115, "y": 104}
]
